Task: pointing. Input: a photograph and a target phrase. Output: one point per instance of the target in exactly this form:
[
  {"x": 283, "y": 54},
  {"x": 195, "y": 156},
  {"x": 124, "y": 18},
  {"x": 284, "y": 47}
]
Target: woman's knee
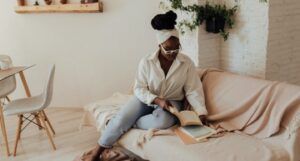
[
  {"x": 128, "y": 114},
  {"x": 164, "y": 119},
  {"x": 123, "y": 121}
]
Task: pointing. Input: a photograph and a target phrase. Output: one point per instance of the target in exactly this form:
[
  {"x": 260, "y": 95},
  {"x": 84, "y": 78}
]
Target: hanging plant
[{"x": 217, "y": 17}]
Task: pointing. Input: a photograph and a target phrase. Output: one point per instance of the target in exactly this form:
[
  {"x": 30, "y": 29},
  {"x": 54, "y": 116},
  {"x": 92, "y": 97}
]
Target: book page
[
  {"x": 197, "y": 132},
  {"x": 189, "y": 116},
  {"x": 186, "y": 117}
]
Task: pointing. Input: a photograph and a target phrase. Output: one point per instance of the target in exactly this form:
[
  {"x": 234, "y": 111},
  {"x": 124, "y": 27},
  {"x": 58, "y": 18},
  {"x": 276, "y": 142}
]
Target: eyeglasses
[{"x": 168, "y": 52}]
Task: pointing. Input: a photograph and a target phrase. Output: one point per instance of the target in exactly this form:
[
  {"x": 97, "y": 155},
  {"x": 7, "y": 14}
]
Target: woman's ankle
[{"x": 99, "y": 149}]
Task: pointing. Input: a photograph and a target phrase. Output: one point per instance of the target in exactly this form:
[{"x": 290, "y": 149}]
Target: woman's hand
[
  {"x": 203, "y": 119},
  {"x": 186, "y": 105},
  {"x": 162, "y": 103}
]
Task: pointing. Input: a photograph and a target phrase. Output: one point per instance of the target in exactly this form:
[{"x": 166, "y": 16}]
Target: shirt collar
[{"x": 154, "y": 56}]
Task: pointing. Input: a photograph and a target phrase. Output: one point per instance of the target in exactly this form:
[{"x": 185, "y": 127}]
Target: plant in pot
[
  {"x": 217, "y": 17},
  {"x": 48, "y": 2},
  {"x": 211, "y": 19},
  {"x": 21, "y": 2},
  {"x": 63, "y": 1}
]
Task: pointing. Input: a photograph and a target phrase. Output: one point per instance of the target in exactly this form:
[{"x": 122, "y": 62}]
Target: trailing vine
[
  {"x": 203, "y": 13},
  {"x": 207, "y": 12}
]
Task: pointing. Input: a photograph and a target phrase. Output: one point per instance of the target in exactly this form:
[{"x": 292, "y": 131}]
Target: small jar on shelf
[
  {"x": 21, "y": 2},
  {"x": 63, "y": 1},
  {"x": 48, "y": 2}
]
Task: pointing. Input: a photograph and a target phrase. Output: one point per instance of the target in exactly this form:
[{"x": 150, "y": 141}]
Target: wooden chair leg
[
  {"x": 36, "y": 116},
  {"x": 18, "y": 133},
  {"x": 48, "y": 122},
  {"x": 42, "y": 117},
  {"x": 8, "y": 99},
  {"x": 3, "y": 129}
]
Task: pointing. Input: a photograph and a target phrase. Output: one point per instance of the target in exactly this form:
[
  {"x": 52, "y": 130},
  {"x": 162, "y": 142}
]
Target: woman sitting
[{"x": 164, "y": 78}]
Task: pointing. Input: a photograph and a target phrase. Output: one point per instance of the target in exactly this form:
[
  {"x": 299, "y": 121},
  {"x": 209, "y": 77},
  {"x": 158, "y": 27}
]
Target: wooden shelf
[{"x": 74, "y": 8}]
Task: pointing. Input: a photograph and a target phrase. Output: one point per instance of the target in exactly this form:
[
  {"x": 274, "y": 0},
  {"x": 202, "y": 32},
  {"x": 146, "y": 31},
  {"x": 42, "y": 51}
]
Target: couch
[{"x": 261, "y": 117}]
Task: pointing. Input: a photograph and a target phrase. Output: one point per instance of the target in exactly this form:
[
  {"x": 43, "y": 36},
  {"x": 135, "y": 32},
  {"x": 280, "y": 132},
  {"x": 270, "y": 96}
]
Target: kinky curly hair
[{"x": 165, "y": 21}]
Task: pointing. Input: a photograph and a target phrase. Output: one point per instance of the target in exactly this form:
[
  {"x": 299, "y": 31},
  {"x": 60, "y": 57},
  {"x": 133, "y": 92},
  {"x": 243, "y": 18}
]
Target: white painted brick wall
[
  {"x": 245, "y": 50},
  {"x": 265, "y": 41},
  {"x": 202, "y": 47},
  {"x": 209, "y": 45}
]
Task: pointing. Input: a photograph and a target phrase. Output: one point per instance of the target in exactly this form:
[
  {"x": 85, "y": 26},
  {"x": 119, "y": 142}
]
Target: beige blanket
[{"x": 254, "y": 106}]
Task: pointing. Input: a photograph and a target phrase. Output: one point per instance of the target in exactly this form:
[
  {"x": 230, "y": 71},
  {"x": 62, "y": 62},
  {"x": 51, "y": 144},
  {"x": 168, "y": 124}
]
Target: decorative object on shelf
[
  {"x": 66, "y": 8},
  {"x": 218, "y": 17},
  {"x": 36, "y": 3},
  {"x": 88, "y": 1},
  {"x": 21, "y": 2},
  {"x": 48, "y": 2},
  {"x": 63, "y": 1}
]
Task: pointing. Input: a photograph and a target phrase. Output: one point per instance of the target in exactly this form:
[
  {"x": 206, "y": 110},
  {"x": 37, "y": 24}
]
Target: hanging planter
[
  {"x": 218, "y": 18},
  {"x": 210, "y": 25},
  {"x": 215, "y": 25}
]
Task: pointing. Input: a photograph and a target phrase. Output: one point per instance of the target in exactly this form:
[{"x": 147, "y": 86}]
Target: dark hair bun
[{"x": 165, "y": 21}]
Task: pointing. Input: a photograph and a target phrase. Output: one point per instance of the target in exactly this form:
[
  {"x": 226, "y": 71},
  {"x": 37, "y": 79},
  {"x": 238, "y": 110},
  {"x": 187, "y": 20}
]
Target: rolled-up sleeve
[
  {"x": 141, "y": 89},
  {"x": 194, "y": 91}
]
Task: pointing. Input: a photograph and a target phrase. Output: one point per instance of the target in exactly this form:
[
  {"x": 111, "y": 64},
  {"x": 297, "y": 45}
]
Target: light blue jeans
[{"x": 136, "y": 114}]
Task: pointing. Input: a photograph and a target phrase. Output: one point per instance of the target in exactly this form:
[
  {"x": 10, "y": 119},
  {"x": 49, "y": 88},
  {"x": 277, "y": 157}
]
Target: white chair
[
  {"x": 7, "y": 86},
  {"x": 33, "y": 106}
]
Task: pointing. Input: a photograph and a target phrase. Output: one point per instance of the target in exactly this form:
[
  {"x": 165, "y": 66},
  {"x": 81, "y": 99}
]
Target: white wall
[
  {"x": 95, "y": 54},
  {"x": 209, "y": 45},
  {"x": 246, "y": 49}
]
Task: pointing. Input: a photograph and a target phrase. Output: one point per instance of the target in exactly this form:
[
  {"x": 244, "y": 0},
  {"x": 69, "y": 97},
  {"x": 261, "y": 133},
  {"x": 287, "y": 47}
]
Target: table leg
[
  {"x": 28, "y": 94},
  {"x": 3, "y": 128},
  {"x": 25, "y": 85}
]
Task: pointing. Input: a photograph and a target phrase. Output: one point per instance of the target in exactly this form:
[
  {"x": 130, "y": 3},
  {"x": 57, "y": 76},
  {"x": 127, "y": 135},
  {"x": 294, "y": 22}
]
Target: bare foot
[
  {"x": 89, "y": 158},
  {"x": 92, "y": 155}
]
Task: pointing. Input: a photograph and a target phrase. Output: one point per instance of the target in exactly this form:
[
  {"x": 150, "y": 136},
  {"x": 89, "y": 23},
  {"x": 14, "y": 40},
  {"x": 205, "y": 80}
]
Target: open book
[
  {"x": 198, "y": 132},
  {"x": 186, "y": 117},
  {"x": 194, "y": 133}
]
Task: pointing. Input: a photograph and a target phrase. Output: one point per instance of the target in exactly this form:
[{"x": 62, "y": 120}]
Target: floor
[{"x": 35, "y": 146}]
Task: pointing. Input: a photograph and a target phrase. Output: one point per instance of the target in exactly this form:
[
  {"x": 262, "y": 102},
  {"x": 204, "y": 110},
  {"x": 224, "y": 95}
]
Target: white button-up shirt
[{"x": 181, "y": 80}]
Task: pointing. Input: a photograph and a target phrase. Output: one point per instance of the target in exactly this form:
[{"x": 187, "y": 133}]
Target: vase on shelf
[
  {"x": 88, "y": 1},
  {"x": 48, "y": 2},
  {"x": 63, "y": 1},
  {"x": 21, "y": 2}
]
